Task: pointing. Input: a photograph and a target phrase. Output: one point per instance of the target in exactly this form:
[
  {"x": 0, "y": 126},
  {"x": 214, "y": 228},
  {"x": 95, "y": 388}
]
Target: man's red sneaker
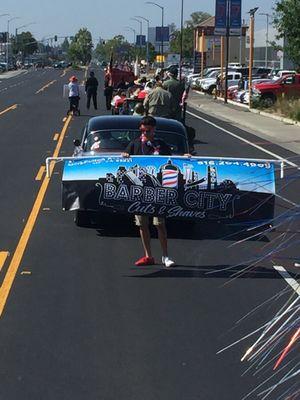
[{"x": 145, "y": 261}]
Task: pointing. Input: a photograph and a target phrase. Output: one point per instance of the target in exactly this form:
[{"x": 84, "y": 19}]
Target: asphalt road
[{"x": 78, "y": 320}]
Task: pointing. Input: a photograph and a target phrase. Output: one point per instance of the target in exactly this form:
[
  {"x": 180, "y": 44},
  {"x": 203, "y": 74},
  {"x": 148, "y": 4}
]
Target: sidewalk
[
  {"x": 12, "y": 74},
  {"x": 277, "y": 132}
]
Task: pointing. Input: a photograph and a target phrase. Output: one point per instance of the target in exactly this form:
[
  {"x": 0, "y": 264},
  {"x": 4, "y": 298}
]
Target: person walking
[
  {"x": 176, "y": 90},
  {"x": 91, "y": 86},
  {"x": 74, "y": 98},
  {"x": 108, "y": 89},
  {"x": 158, "y": 102},
  {"x": 148, "y": 145}
]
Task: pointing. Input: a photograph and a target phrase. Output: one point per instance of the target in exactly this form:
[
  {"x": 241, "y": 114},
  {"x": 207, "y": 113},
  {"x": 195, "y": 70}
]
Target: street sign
[
  {"x": 160, "y": 59},
  {"x": 162, "y": 34},
  {"x": 140, "y": 40}
]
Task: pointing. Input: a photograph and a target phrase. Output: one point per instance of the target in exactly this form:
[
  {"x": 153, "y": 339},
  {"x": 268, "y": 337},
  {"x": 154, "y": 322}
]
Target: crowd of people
[{"x": 160, "y": 96}]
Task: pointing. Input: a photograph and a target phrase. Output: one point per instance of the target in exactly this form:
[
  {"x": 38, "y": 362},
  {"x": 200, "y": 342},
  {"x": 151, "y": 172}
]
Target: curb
[
  {"x": 277, "y": 117},
  {"x": 285, "y": 120}
]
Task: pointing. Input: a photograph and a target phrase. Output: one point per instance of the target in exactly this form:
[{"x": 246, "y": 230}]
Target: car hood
[
  {"x": 269, "y": 85},
  {"x": 207, "y": 81}
]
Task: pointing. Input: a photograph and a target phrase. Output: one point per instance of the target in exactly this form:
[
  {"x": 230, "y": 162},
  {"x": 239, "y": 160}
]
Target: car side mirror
[{"x": 76, "y": 142}]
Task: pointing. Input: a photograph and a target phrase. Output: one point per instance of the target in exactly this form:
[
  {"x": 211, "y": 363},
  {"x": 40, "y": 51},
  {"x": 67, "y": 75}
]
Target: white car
[
  {"x": 209, "y": 84},
  {"x": 212, "y": 74},
  {"x": 282, "y": 73}
]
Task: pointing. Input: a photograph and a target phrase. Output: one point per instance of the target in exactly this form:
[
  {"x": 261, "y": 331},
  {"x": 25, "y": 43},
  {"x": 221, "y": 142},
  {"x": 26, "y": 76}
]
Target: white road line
[
  {"x": 287, "y": 200},
  {"x": 287, "y": 277},
  {"x": 245, "y": 140}
]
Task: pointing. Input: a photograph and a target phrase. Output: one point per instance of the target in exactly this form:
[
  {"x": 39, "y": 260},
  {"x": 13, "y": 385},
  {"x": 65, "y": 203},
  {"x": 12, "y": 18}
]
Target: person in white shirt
[{"x": 73, "y": 93}]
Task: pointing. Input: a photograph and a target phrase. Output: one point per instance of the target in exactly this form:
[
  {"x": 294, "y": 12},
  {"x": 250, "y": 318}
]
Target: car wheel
[
  {"x": 211, "y": 89},
  {"x": 82, "y": 218},
  {"x": 268, "y": 101}
]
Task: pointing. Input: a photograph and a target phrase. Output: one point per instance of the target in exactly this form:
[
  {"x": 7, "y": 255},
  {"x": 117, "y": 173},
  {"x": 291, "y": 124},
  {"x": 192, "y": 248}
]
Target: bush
[
  {"x": 284, "y": 107},
  {"x": 289, "y": 108}
]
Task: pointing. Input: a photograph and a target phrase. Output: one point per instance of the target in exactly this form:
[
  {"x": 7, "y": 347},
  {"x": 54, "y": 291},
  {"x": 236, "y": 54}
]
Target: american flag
[{"x": 170, "y": 178}]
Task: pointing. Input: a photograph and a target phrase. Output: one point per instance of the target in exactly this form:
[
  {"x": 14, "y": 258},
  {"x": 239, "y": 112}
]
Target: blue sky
[{"x": 107, "y": 18}]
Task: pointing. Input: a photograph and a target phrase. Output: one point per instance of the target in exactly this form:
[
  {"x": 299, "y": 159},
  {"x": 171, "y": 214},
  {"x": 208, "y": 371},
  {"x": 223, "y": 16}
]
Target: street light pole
[
  {"x": 181, "y": 41},
  {"x": 141, "y": 33},
  {"x": 134, "y": 33},
  {"x": 8, "y": 40},
  {"x": 147, "y": 43},
  {"x": 252, "y": 14},
  {"x": 267, "y": 38},
  {"x": 162, "y": 29},
  {"x": 228, "y": 2}
]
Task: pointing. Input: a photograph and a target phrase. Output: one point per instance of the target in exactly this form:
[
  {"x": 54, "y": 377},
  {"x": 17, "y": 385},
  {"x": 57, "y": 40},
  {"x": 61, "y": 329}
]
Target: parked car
[
  {"x": 197, "y": 82},
  {"x": 208, "y": 85},
  {"x": 282, "y": 73},
  {"x": 268, "y": 92}
]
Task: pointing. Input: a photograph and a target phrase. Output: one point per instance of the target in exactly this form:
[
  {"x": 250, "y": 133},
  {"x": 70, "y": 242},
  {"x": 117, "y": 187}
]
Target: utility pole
[
  {"x": 222, "y": 61},
  {"x": 181, "y": 41},
  {"x": 227, "y": 49},
  {"x": 252, "y": 14},
  {"x": 202, "y": 52}
]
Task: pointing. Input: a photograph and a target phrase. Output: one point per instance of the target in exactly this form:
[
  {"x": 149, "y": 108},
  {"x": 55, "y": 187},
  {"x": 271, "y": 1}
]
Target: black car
[{"x": 112, "y": 134}]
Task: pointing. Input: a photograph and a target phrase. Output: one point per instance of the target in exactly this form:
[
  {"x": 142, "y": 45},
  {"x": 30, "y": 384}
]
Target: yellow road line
[
  {"x": 45, "y": 87},
  {"x": 55, "y": 137},
  {"x": 64, "y": 73},
  {"x": 13, "y": 107},
  {"x": 21, "y": 247},
  {"x": 3, "y": 257},
  {"x": 40, "y": 173}
]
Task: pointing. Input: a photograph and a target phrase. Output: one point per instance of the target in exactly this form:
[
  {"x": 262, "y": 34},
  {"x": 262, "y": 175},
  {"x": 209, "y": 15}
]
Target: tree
[
  {"x": 188, "y": 34},
  {"x": 24, "y": 43},
  {"x": 196, "y": 18},
  {"x": 286, "y": 21},
  {"x": 65, "y": 45},
  {"x": 118, "y": 46},
  {"x": 80, "y": 49}
]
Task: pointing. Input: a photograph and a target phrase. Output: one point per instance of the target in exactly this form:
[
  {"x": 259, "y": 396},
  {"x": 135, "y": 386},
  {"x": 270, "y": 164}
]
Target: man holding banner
[{"x": 148, "y": 145}]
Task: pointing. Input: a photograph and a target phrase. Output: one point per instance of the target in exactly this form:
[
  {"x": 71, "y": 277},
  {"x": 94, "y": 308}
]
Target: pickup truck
[
  {"x": 209, "y": 84},
  {"x": 268, "y": 92}
]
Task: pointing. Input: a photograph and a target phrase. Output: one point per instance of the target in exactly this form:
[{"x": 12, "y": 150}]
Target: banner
[
  {"x": 162, "y": 34},
  {"x": 172, "y": 187},
  {"x": 140, "y": 40},
  {"x": 235, "y": 17},
  {"x": 234, "y": 7},
  {"x": 221, "y": 17}
]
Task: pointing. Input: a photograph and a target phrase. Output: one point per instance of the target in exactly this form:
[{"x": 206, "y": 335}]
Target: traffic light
[{"x": 55, "y": 38}]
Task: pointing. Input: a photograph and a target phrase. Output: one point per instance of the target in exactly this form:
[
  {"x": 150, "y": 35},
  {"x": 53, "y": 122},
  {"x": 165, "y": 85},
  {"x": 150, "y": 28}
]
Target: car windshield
[{"x": 111, "y": 141}]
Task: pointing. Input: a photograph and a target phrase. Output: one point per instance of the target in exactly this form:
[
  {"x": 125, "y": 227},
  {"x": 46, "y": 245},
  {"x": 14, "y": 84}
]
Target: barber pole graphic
[{"x": 170, "y": 176}]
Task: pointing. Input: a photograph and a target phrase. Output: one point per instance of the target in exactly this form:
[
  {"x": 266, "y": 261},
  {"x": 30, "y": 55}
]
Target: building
[{"x": 211, "y": 49}]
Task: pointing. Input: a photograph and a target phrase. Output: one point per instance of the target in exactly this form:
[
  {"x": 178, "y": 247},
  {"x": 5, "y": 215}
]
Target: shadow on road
[
  {"x": 208, "y": 271},
  {"x": 122, "y": 226}
]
